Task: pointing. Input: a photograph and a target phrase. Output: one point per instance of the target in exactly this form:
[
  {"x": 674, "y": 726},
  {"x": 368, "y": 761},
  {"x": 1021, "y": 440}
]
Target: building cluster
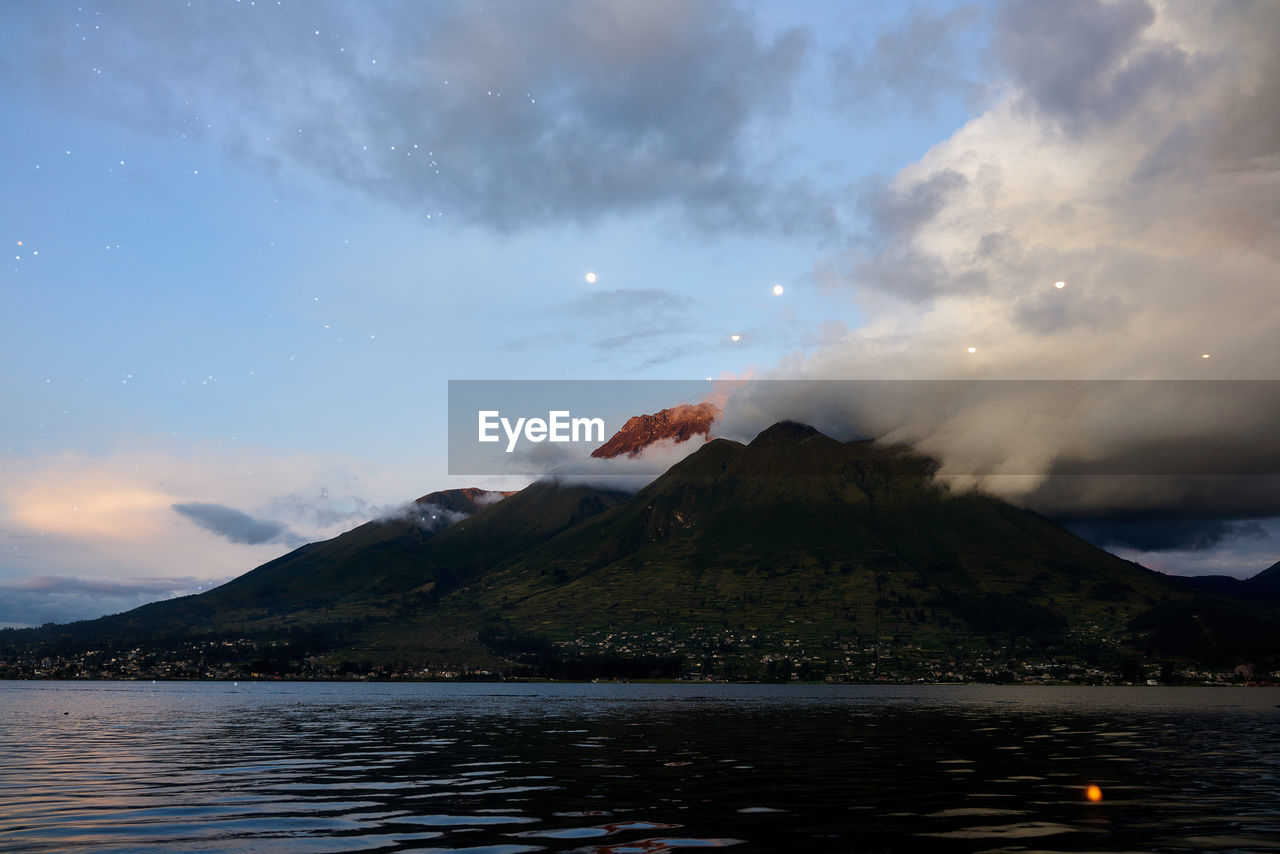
[
  {"x": 728, "y": 655},
  {"x": 708, "y": 655}
]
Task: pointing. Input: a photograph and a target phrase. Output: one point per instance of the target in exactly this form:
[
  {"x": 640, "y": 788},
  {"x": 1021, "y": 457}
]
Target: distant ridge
[
  {"x": 1263, "y": 587},
  {"x": 1269, "y": 578}
]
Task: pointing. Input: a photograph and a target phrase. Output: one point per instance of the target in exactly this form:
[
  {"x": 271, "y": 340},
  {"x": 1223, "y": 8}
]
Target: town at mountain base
[{"x": 793, "y": 557}]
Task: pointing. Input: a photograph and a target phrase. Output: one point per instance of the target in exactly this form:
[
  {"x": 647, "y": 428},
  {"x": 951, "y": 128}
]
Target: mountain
[
  {"x": 679, "y": 423},
  {"x": 1263, "y": 587},
  {"x": 792, "y": 556},
  {"x": 1268, "y": 579},
  {"x": 370, "y": 560},
  {"x": 839, "y": 545},
  {"x": 338, "y": 596},
  {"x": 461, "y": 501}
]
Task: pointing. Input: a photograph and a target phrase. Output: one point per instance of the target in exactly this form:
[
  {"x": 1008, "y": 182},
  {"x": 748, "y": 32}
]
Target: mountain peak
[
  {"x": 680, "y": 423},
  {"x": 1269, "y": 577},
  {"x": 466, "y": 501},
  {"x": 787, "y": 433}
]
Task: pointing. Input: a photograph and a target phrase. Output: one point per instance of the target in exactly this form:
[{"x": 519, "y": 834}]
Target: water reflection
[{"x": 296, "y": 767}]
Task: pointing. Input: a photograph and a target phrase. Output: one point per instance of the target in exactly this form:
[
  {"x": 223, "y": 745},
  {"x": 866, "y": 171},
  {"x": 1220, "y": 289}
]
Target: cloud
[
  {"x": 625, "y": 324},
  {"x": 1148, "y": 207},
  {"x": 38, "y": 599},
  {"x": 1166, "y": 534},
  {"x": 114, "y": 515},
  {"x": 236, "y": 526},
  {"x": 1237, "y": 556},
  {"x": 429, "y": 517},
  {"x": 639, "y": 318},
  {"x": 1090, "y": 62},
  {"x": 509, "y": 115},
  {"x": 572, "y": 463},
  {"x": 896, "y": 214},
  {"x": 912, "y": 65},
  {"x": 640, "y": 328},
  {"x": 1132, "y": 153},
  {"x": 1187, "y": 545},
  {"x": 324, "y": 508},
  {"x": 626, "y": 473},
  {"x": 650, "y": 303}
]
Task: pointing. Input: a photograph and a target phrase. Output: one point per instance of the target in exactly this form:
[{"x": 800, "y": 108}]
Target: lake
[{"x": 506, "y": 768}]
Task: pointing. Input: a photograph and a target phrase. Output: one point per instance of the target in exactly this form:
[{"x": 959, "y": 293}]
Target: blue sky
[{"x": 250, "y": 242}]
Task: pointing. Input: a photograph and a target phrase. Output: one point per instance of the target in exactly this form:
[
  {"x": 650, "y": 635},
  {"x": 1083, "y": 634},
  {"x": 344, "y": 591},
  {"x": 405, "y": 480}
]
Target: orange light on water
[{"x": 1093, "y": 793}]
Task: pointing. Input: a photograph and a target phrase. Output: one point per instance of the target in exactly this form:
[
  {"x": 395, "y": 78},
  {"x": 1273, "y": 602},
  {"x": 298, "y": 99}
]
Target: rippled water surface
[{"x": 113, "y": 766}]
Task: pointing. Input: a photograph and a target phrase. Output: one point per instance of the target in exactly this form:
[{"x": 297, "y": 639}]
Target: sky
[{"x": 251, "y": 241}]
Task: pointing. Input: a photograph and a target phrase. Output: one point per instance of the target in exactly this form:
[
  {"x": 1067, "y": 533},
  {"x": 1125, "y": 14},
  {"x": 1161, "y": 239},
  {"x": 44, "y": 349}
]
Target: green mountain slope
[
  {"x": 411, "y": 554},
  {"x": 328, "y": 591},
  {"x": 839, "y": 545}
]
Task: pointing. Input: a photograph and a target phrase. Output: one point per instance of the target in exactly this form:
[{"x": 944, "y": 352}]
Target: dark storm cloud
[
  {"x": 1166, "y": 534},
  {"x": 40, "y": 599},
  {"x": 238, "y": 527},
  {"x": 1078, "y": 62},
  {"x": 914, "y": 65},
  {"x": 1221, "y": 497},
  {"x": 506, "y": 114}
]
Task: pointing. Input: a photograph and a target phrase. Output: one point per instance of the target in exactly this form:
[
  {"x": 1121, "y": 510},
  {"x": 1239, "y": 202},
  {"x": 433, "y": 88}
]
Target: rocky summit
[{"x": 679, "y": 423}]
